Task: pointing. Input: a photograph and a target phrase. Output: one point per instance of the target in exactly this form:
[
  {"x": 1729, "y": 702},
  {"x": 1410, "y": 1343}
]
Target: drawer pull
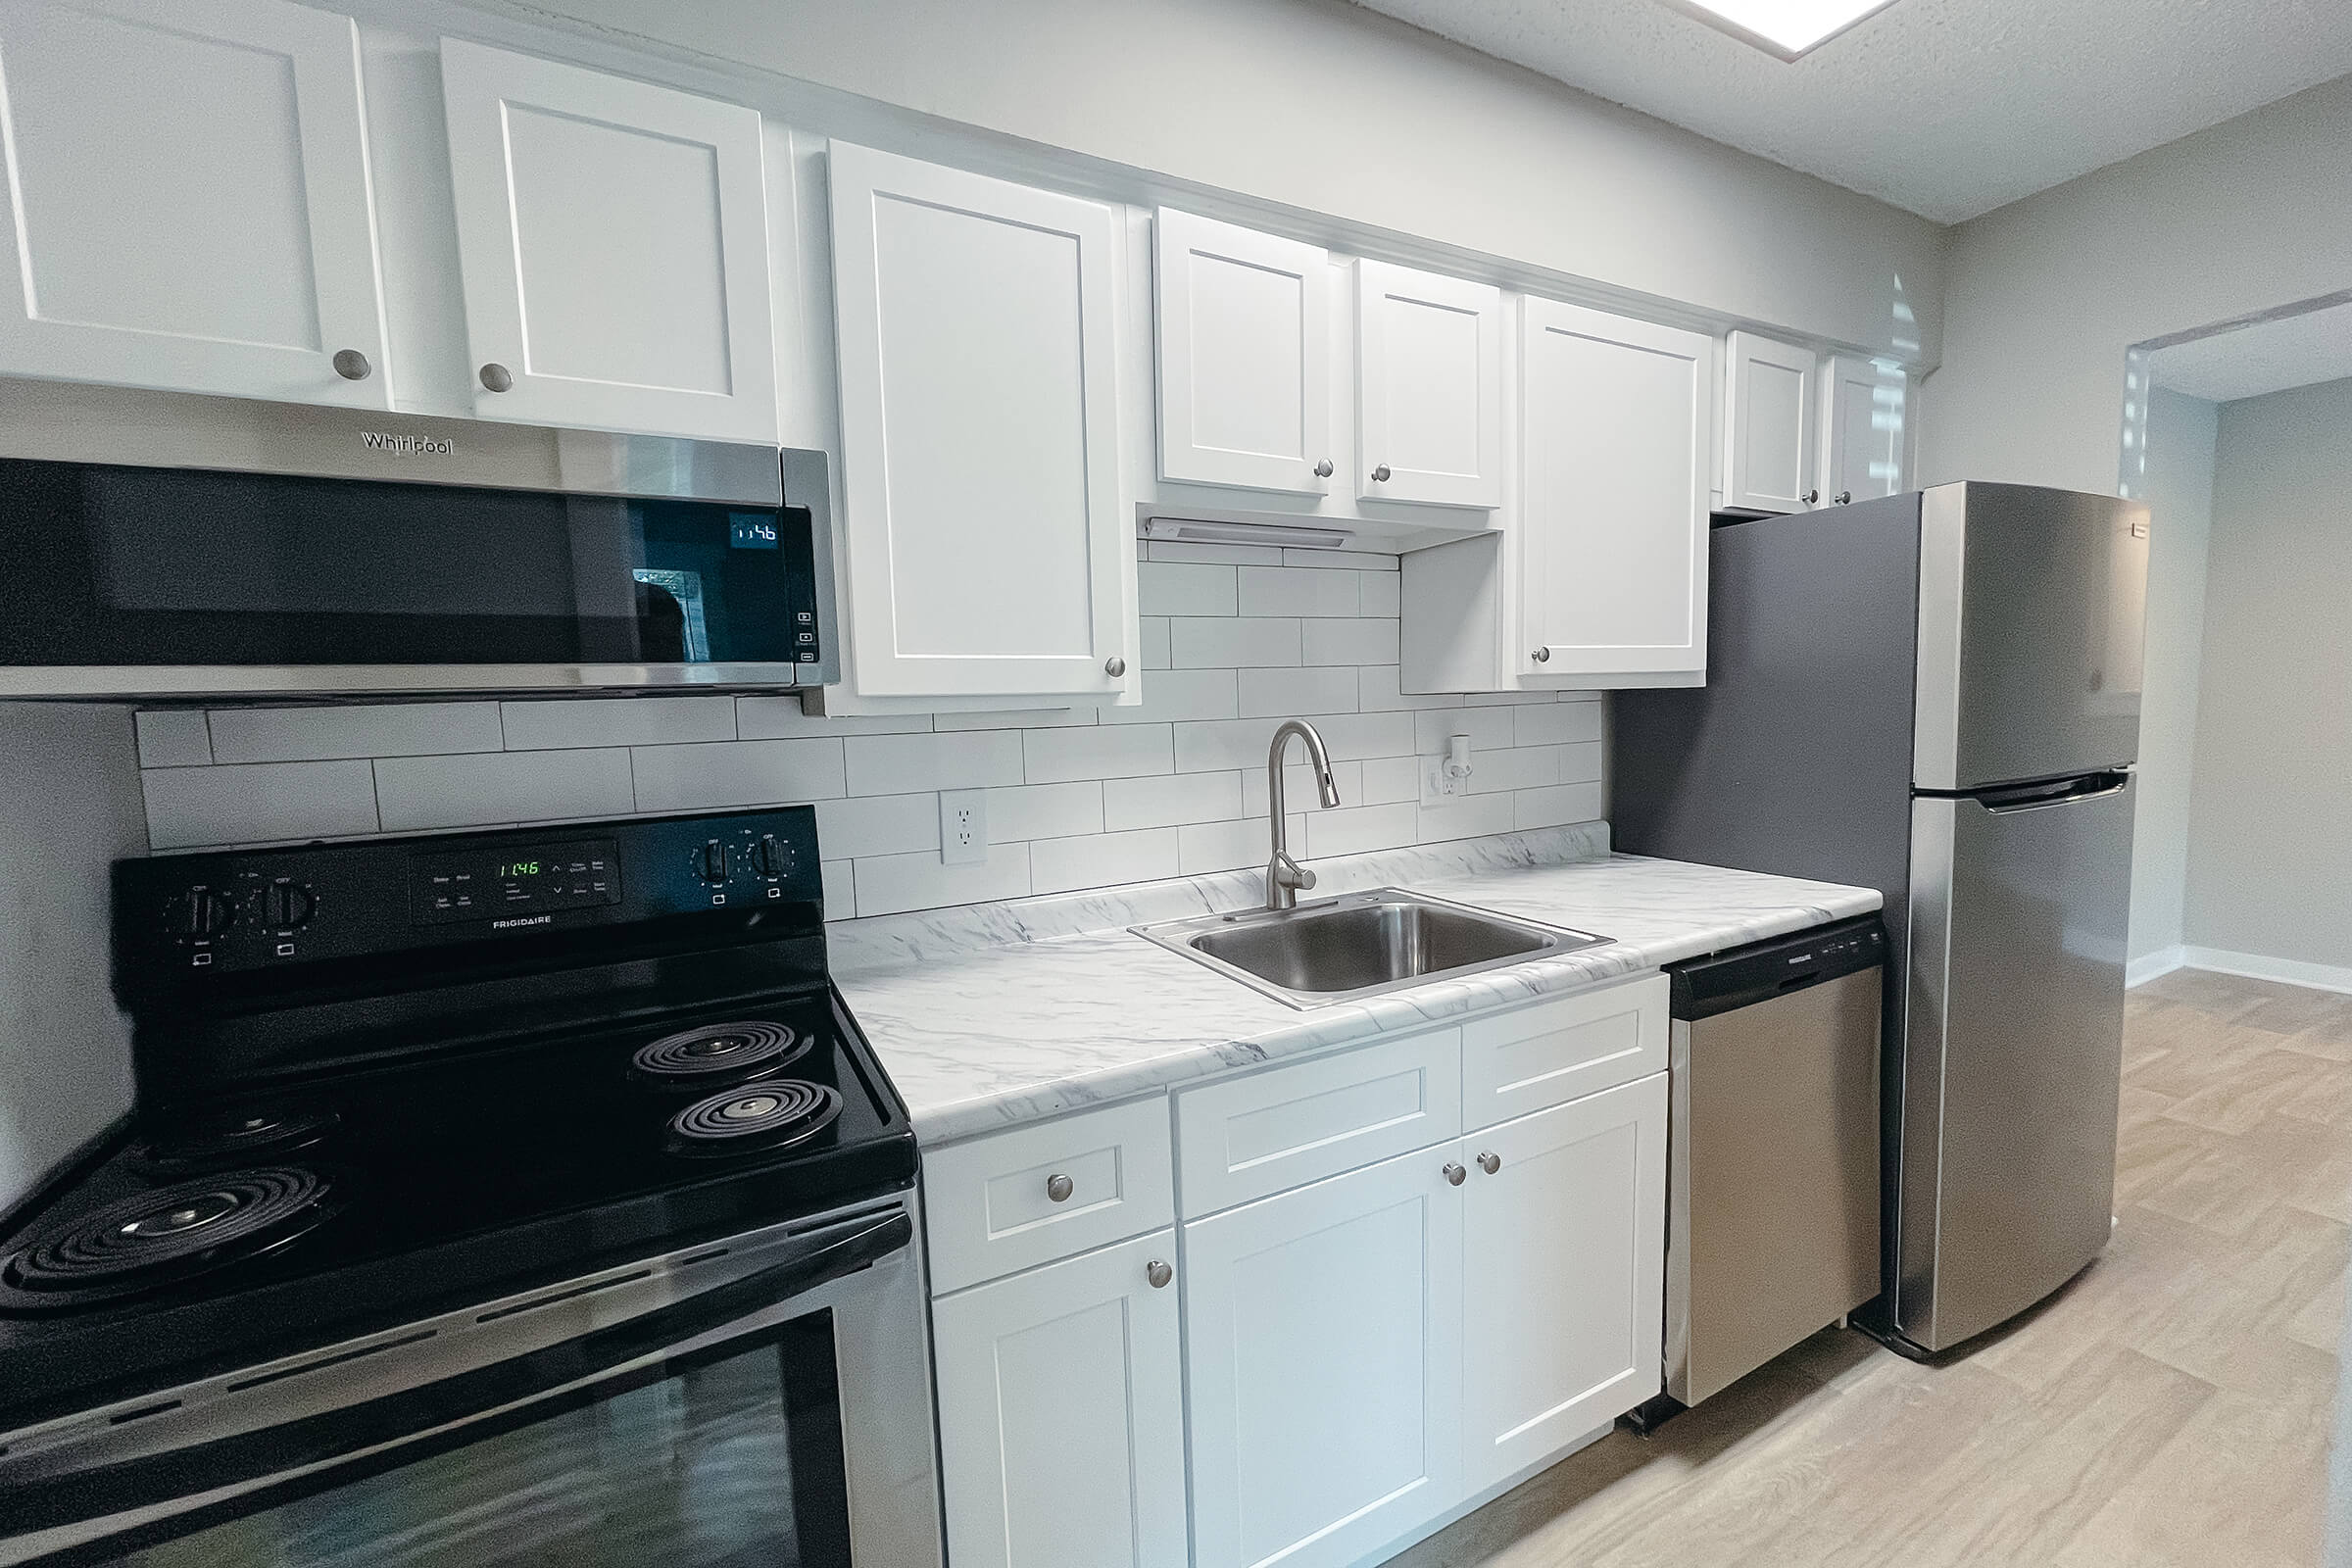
[
  {"x": 1454, "y": 1174},
  {"x": 1058, "y": 1188},
  {"x": 1159, "y": 1274},
  {"x": 1490, "y": 1164}
]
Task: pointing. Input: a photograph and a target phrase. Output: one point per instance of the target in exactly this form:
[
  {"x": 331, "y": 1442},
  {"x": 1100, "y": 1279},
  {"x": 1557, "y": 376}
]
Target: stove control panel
[{"x": 199, "y": 915}]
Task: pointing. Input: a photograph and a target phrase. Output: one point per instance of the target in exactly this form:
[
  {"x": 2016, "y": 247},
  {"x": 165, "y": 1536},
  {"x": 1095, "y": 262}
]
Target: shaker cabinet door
[
  {"x": 1770, "y": 395},
  {"x": 1861, "y": 430},
  {"x": 614, "y": 240},
  {"x": 1429, "y": 388},
  {"x": 1062, "y": 1414},
  {"x": 1245, "y": 358},
  {"x": 987, "y": 554},
  {"x": 188, "y": 195}
]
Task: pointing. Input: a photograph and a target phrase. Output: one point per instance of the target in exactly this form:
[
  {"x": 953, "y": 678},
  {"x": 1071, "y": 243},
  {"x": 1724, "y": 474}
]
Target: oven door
[{"x": 764, "y": 1400}]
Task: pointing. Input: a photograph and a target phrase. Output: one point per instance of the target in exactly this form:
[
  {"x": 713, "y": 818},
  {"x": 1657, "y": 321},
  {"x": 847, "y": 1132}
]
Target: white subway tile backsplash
[
  {"x": 1152, "y": 641},
  {"x": 1466, "y": 817},
  {"x": 1508, "y": 699},
  {"x": 1379, "y": 593},
  {"x": 728, "y": 773},
  {"x": 1299, "y": 591},
  {"x": 1101, "y": 859},
  {"x": 896, "y": 764},
  {"x": 1381, "y": 692},
  {"x": 1231, "y": 643},
  {"x": 481, "y": 788},
  {"x": 1181, "y": 588},
  {"x": 1354, "y": 641},
  {"x": 1284, "y": 693},
  {"x": 1353, "y": 829},
  {"x": 1391, "y": 778},
  {"x": 1045, "y": 811},
  {"x": 1170, "y": 799},
  {"x": 1361, "y": 735},
  {"x": 1110, "y": 750},
  {"x": 841, "y": 889},
  {"x": 1515, "y": 768},
  {"x": 618, "y": 721},
  {"x": 890, "y": 883},
  {"x": 878, "y": 824},
  {"x": 1180, "y": 694},
  {"x": 1556, "y": 807},
  {"x": 1361, "y": 559},
  {"x": 173, "y": 737},
  {"x": 1219, "y": 555},
  {"x": 1014, "y": 718},
  {"x": 779, "y": 718},
  {"x": 1581, "y": 763},
  {"x": 1555, "y": 723},
  {"x": 1203, "y": 847},
  {"x": 192, "y": 807},
  {"x": 383, "y": 729},
  {"x": 1489, "y": 728}
]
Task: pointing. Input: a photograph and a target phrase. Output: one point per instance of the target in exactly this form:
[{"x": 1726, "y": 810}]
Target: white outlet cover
[
  {"x": 1439, "y": 787},
  {"x": 962, "y": 827}
]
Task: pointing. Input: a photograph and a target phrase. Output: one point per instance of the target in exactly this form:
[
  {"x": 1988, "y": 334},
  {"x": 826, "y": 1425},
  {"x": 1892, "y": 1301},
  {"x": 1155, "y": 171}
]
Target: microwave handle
[{"x": 51, "y": 1498}]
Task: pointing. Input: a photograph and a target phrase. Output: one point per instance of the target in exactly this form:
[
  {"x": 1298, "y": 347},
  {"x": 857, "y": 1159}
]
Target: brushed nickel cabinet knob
[
  {"x": 495, "y": 377},
  {"x": 1490, "y": 1164},
  {"x": 1541, "y": 655},
  {"x": 1159, "y": 1274},
  {"x": 1058, "y": 1188},
  {"x": 1453, "y": 1174},
  {"x": 1812, "y": 498},
  {"x": 1323, "y": 470},
  {"x": 1379, "y": 475},
  {"x": 1114, "y": 667},
  {"x": 1846, "y": 498},
  {"x": 352, "y": 366}
]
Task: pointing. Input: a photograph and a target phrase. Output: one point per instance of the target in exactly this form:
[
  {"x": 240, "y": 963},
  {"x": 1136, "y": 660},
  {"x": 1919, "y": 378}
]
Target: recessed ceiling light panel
[{"x": 1789, "y": 29}]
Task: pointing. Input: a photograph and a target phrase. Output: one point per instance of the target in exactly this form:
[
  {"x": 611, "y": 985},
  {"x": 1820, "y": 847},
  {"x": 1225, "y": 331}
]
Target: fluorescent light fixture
[
  {"x": 1789, "y": 29},
  {"x": 1197, "y": 531}
]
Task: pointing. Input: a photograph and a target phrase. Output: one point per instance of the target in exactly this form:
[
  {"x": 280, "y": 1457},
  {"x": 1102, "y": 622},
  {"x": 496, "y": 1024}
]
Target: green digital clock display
[{"x": 515, "y": 869}]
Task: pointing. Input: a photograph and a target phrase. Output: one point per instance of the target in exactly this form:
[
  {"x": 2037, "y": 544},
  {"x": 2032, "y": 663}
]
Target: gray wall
[
  {"x": 2181, "y": 432},
  {"x": 2270, "y": 868},
  {"x": 68, "y": 804}
]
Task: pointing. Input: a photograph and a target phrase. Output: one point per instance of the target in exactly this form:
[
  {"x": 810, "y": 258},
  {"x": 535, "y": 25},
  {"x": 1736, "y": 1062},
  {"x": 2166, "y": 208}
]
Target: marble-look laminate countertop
[{"x": 995, "y": 1014}]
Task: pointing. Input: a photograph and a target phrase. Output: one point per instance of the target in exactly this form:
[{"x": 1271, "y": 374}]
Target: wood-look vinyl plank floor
[{"x": 2170, "y": 1409}]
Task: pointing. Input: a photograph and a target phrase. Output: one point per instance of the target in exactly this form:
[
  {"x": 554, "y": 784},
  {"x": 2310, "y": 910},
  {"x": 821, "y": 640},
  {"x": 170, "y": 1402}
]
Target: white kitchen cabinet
[
  {"x": 613, "y": 241},
  {"x": 1429, "y": 376},
  {"x": 188, "y": 200},
  {"x": 1324, "y": 1341},
  {"x": 1244, "y": 323},
  {"x": 1862, "y": 411},
  {"x": 1062, "y": 1414},
  {"x": 987, "y": 550},
  {"x": 1769, "y": 424},
  {"x": 1563, "y": 1261}
]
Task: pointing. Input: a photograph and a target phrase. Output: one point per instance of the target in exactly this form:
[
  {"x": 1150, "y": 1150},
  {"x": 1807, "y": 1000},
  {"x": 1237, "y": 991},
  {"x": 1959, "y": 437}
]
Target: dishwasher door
[{"x": 1772, "y": 1193}]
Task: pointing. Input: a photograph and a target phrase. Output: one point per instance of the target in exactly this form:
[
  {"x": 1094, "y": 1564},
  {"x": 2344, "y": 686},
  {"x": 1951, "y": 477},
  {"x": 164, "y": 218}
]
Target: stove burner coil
[
  {"x": 770, "y": 1113},
  {"x": 235, "y": 1139},
  {"x": 167, "y": 1235},
  {"x": 694, "y": 1056}
]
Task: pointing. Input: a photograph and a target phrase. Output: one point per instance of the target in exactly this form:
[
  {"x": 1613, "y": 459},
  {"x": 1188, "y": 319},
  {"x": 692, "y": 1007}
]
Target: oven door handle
[{"x": 39, "y": 1497}]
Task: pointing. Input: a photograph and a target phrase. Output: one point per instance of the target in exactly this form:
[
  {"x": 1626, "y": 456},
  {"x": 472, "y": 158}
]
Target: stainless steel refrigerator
[{"x": 1937, "y": 695}]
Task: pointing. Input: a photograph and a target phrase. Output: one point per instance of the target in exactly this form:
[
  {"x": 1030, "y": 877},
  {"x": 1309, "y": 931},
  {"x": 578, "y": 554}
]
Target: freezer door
[
  {"x": 2030, "y": 609},
  {"x": 2014, "y": 1054}
]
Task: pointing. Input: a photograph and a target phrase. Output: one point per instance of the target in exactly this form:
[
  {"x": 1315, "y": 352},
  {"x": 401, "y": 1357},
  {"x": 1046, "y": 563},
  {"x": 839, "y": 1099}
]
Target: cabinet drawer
[
  {"x": 991, "y": 1203},
  {"x": 1244, "y": 1138},
  {"x": 1556, "y": 1051}
]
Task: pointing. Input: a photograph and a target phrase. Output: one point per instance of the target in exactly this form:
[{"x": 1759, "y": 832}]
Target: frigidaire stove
[{"x": 520, "y": 1197}]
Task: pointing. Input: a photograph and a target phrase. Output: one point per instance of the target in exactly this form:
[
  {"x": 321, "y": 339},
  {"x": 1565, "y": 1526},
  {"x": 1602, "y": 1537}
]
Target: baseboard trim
[
  {"x": 2149, "y": 965},
  {"x": 2259, "y": 966}
]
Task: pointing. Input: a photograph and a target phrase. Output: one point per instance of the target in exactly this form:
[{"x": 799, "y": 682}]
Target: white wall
[
  {"x": 2271, "y": 819},
  {"x": 1321, "y": 108},
  {"x": 2043, "y": 297},
  {"x": 2180, "y": 434},
  {"x": 68, "y": 804}
]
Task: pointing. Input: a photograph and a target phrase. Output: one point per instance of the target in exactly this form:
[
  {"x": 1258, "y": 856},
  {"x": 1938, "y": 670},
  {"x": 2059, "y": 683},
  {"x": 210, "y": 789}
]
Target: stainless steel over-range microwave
[{"x": 161, "y": 544}]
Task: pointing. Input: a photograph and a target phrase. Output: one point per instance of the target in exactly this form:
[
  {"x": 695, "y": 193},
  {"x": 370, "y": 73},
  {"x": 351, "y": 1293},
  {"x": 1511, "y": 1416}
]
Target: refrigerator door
[
  {"x": 2029, "y": 607},
  {"x": 2011, "y": 1071}
]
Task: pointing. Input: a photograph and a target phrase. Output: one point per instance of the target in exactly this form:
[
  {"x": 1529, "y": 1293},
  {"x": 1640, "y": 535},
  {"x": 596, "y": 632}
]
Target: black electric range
[{"x": 380, "y": 1081}]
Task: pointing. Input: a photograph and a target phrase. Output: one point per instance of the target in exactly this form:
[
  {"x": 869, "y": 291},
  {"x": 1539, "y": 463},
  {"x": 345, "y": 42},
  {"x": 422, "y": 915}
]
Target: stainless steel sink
[{"x": 1338, "y": 950}]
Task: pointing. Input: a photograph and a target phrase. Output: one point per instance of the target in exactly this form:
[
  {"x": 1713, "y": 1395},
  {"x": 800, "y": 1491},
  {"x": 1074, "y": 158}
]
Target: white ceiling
[
  {"x": 2267, "y": 357},
  {"x": 1949, "y": 108}
]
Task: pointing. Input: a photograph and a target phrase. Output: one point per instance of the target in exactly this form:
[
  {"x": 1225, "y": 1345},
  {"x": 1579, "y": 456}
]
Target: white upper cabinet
[
  {"x": 1861, "y": 430},
  {"x": 1245, "y": 358},
  {"x": 1614, "y": 442},
  {"x": 613, "y": 239},
  {"x": 188, "y": 188},
  {"x": 1772, "y": 406},
  {"x": 988, "y": 552},
  {"x": 1429, "y": 377}
]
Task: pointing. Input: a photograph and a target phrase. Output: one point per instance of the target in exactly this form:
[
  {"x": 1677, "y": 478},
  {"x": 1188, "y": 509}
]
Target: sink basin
[{"x": 1360, "y": 945}]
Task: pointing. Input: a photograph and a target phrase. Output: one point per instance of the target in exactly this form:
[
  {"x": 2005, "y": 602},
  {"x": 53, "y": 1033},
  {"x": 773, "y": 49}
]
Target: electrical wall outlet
[
  {"x": 962, "y": 827},
  {"x": 1440, "y": 787}
]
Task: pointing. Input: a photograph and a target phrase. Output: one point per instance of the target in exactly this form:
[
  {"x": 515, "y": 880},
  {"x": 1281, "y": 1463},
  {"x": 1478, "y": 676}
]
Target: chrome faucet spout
[{"x": 1284, "y": 875}]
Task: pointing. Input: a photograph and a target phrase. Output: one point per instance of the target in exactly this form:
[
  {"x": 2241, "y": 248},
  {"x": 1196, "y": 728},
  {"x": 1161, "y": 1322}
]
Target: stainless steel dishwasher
[{"x": 1772, "y": 1187}]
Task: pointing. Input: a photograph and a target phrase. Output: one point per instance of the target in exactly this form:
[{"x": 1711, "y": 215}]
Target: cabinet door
[
  {"x": 979, "y": 427},
  {"x": 1061, "y": 1415},
  {"x": 1613, "y": 578},
  {"x": 1429, "y": 388},
  {"x": 1769, "y": 466},
  {"x": 1861, "y": 430},
  {"x": 187, "y": 185},
  {"x": 1563, "y": 1267},
  {"x": 1245, "y": 358},
  {"x": 1323, "y": 1336},
  {"x": 613, "y": 239}
]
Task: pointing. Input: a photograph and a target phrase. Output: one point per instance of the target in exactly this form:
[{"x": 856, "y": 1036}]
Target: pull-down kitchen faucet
[{"x": 1284, "y": 875}]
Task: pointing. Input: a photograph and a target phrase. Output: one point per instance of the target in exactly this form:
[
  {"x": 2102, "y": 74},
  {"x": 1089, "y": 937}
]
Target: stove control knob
[
  {"x": 201, "y": 913},
  {"x": 713, "y": 862},
  {"x": 770, "y": 857},
  {"x": 289, "y": 906}
]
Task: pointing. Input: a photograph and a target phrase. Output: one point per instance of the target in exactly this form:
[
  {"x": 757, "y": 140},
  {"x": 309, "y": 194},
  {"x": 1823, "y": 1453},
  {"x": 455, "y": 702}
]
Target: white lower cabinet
[
  {"x": 1062, "y": 1414},
  {"x": 1323, "y": 1334},
  {"x": 1564, "y": 1259}
]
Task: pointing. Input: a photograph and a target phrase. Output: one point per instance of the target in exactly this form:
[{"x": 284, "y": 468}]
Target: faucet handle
[{"x": 1302, "y": 877}]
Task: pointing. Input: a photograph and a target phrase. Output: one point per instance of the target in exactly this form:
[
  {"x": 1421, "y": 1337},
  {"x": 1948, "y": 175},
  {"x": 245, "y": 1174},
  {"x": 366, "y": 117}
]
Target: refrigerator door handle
[{"x": 2039, "y": 797}]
